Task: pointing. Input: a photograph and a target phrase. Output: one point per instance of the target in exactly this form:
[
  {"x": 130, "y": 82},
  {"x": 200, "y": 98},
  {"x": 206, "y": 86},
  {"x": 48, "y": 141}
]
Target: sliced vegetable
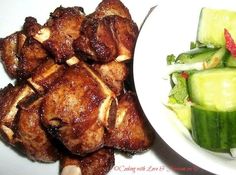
[
  {"x": 170, "y": 59},
  {"x": 178, "y": 93},
  {"x": 183, "y": 67},
  {"x": 213, "y": 130},
  {"x": 195, "y": 55},
  {"x": 217, "y": 59},
  {"x": 211, "y": 26},
  {"x": 203, "y": 94},
  {"x": 183, "y": 113},
  {"x": 214, "y": 88},
  {"x": 229, "y": 43},
  {"x": 197, "y": 59}
]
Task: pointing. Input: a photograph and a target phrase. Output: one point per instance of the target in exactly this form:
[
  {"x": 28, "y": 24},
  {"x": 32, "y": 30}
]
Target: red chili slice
[
  {"x": 229, "y": 43},
  {"x": 185, "y": 75}
]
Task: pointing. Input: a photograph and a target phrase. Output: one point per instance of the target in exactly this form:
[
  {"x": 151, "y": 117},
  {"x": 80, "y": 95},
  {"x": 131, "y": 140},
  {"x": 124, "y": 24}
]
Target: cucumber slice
[
  {"x": 211, "y": 26},
  {"x": 213, "y": 130},
  {"x": 217, "y": 59},
  {"x": 195, "y": 55},
  {"x": 214, "y": 88}
]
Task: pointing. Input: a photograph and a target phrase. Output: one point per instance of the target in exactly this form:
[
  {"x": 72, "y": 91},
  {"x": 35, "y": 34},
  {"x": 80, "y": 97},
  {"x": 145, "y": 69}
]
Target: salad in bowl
[{"x": 203, "y": 82}]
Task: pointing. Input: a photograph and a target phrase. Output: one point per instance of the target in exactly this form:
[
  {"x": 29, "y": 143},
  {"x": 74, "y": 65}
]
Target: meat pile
[{"x": 70, "y": 101}]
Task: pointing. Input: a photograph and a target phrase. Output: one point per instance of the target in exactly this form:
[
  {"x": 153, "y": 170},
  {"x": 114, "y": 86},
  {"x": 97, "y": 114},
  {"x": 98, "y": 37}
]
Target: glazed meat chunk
[
  {"x": 76, "y": 109},
  {"x": 113, "y": 74},
  {"x": 10, "y": 97},
  {"x": 58, "y": 34},
  {"x": 109, "y": 38},
  {"x": 111, "y": 7},
  {"x": 20, "y": 53},
  {"x": 132, "y": 132},
  {"x": 31, "y": 55},
  {"x": 31, "y": 27},
  {"x": 31, "y": 137},
  {"x": 99, "y": 163},
  {"x": 46, "y": 75},
  {"x": 9, "y": 54}
]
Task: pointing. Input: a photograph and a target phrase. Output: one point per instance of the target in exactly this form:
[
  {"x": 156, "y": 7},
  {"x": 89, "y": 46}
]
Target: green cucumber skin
[
  {"x": 213, "y": 130},
  {"x": 196, "y": 55}
]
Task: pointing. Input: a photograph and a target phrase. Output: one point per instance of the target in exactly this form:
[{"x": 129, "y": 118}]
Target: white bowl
[{"x": 169, "y": 30}]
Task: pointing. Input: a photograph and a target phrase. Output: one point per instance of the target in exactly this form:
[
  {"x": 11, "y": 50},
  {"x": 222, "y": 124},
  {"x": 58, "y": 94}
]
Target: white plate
[
  {"x": 169, "y": 30},
  {"x": 12, "y": 15}
]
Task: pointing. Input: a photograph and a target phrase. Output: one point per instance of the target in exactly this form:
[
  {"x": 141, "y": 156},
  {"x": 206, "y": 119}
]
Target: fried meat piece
[
  {"x": 45, "y": 75},
  {"x": 21, "y": 54},
  {"x": 9, "y": 54},
  {"x": 96, "y": 163},
  {"x": 31, "y": 137},
  {"x": 60, "y": 31},
  {"x": 31, "y": 55},
  {"x": 96, "y": 41},
  {"x": 10, "y": 97},
  {"x": 30, "y": 52},
  {"x": 31, "y": 27},
  {"x": 132, "y": 132},
  {"x": 67, "y": 19},
  {"x": 21, "y": 38},
  {"x": 107, "y": 39},
  {"x": 111, "y": 7},
  {"x": 113, "y": 74},
  {"x": 126, "y": 33},
  {"x": 76, "y": 109}
]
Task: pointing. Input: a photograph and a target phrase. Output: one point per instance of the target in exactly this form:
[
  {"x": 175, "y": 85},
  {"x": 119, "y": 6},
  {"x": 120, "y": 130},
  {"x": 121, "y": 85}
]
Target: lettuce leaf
[{"x": 178, "y": 93}]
